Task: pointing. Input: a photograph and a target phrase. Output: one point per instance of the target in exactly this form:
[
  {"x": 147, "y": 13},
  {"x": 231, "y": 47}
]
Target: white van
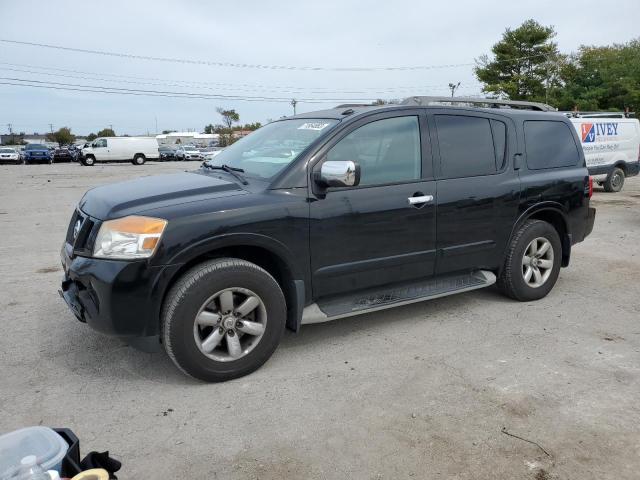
[
  {"x": 611, "y": 147},
  {"x": 136, "y": 150}
]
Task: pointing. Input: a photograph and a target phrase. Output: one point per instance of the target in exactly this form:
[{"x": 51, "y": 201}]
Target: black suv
[{"x": 326, "y": 215}]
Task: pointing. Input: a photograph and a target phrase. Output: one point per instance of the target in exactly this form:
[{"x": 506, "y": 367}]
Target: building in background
[
  {"x": 188, "y": 138},
  {"x": 24, "y": 138}
]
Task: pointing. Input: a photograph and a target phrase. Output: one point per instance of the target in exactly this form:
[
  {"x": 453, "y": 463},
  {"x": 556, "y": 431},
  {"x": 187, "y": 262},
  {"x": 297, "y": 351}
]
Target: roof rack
[
  {"x": 574, "y": 114},
  {"x": 479, "y": 102},
  {"x": 353, "y": 105}
]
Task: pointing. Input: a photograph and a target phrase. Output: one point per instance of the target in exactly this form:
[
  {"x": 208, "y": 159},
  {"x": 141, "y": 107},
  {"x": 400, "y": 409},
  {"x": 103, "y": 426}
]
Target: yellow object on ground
[{"x": 93, "y": 474}]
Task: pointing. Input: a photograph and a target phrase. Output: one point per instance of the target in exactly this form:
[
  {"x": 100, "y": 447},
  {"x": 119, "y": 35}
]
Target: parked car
[
  {"x": 167, "y": 153},
  {"x": 136, "y": 150},
  {"x": 74, "y": 150},
  {"x": 188, "y": 152},
  {"x": 611, "y": 147},
  {"x": 63, "y": 154},
  {"x": 322, "y": 216},
  {"x": 10, "y": 155},
  {"x": 37, "y": 153},
  {"x": 210, "y": 152}
]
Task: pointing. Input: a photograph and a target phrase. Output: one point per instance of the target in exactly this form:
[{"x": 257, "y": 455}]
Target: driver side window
[
  {"x": 101, "y": 143},
  {"x": 388, "y": 150}
]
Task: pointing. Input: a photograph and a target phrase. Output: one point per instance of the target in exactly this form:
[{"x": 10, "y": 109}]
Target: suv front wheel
[
  {"x": 223, "y": 319},
  {"x": 533, "y": 260}
]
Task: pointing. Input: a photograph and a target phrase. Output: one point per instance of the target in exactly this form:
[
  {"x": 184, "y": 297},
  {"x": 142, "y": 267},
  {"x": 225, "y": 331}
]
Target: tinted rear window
[
  {"x": 549, "y": 144},
  {"x": 466, "y": 146}
]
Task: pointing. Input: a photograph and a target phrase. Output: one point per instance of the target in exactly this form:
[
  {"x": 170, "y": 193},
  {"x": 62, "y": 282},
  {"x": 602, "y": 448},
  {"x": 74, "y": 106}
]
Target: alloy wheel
[
  {"x": 230, "y": 324},
  {"x": 537, "y": 262}
]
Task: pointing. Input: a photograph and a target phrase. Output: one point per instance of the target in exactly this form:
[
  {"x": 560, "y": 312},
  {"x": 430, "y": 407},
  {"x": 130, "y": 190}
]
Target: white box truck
[
  {"x": 611, "y": 145},
  {"x": 136, "y": 150}
]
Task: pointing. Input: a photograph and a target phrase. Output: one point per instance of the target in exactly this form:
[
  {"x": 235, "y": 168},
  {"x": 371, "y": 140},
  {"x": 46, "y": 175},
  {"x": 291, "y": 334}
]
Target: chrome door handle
[{"x": 418, "y": 200}]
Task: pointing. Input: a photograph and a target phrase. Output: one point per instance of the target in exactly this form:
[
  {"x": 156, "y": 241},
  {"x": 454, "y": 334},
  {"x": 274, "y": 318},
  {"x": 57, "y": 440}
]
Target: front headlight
[{"x": 129, "y": 238}]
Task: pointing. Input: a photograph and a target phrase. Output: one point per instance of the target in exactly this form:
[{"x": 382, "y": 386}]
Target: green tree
[
  {"x": 106, "y": 132},
  {"x": 522, "y": 66},
  {"x": 62, "y": 136},
  {"x": 164, "y": 132},
  {"x": 251, "y": 126},
  {"x": 209, "y": 128},
  {"x": 91, "y": 137},
  {"x": 601, "y": 78},
  {"x": 229, "y": 117}
]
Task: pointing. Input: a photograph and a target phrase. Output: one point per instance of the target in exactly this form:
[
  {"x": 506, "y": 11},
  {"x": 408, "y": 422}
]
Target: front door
[
  {"x": 101, "y": 150},
  {"x": 374, "y": 234}
]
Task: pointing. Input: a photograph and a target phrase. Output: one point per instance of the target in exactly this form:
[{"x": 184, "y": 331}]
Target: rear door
[
  {"x": 478, "y": 189},
  {"x": 371, "y": 234}
]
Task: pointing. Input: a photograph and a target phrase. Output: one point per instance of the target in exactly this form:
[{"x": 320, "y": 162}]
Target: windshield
[
  {"x": 35, "y": 146},
  {"x": 269, "y": 149},
  {"x": 7, "y": 150}
]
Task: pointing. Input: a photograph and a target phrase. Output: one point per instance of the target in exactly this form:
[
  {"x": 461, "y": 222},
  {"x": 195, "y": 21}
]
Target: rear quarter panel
[{"x": 559, "y": 189}]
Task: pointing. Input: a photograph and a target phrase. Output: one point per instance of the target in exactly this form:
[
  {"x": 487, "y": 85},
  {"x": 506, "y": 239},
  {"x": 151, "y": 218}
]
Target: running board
[{"x": 371, "y": 300}]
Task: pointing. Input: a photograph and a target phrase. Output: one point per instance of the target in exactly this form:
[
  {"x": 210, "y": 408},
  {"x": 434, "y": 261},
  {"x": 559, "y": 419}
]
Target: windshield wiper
[{"x": 230, "y": 170}]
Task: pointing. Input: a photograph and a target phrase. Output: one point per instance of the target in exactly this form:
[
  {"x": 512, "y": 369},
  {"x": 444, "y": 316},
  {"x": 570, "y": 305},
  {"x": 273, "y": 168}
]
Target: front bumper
[
  {"x": 120, "y": 298},
  {"x": 37, "y": 159}
]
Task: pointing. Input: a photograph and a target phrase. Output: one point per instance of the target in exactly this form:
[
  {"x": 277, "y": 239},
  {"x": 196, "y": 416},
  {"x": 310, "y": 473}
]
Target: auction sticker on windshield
[{"x": 313, "y": 126}]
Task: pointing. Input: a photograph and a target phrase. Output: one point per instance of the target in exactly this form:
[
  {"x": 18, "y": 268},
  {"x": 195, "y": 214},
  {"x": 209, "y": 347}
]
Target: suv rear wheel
[
  {"x": 223, "y": 319},
  {"x": 533, "y": 261},
  {"x": 614, "y": 181}
]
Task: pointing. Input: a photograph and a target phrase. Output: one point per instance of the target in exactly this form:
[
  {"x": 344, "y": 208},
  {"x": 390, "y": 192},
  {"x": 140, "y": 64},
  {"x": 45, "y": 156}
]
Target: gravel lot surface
[{"x": 422, "y": 391}]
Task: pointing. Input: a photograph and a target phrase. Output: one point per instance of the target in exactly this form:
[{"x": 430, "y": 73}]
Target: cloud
[{"x": 327, "y": 34}]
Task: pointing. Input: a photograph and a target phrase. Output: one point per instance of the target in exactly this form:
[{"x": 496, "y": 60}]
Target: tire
[
  {"x": 512, "y": 280},
  {"x": 88, "y": 161},
  {"x": 184, "y": 340},
  {"x": 138, "y": 159},
  {"x": 615, "y": 180}
]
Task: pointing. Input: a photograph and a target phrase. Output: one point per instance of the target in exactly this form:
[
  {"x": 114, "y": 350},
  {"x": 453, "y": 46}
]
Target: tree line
[{"x": 525, "y": 64}]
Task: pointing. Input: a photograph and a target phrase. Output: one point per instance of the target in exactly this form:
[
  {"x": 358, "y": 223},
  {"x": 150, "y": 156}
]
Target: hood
[{"x": 146, "y": 193}]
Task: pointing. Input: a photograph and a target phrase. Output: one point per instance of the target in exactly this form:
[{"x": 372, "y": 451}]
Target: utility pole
[
  {"x": 51, "y": 127},
  {"x": 111, "y": 126},
  {"x": 10, "y": 126},
  {"x": 156, "y": 117},
  {"x": 454, "y": 87},
  {"x": 294, "y": 102}
]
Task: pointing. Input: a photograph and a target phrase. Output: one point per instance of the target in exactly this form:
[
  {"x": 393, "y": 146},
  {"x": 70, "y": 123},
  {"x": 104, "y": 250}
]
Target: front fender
[{"x": 217, "y": 242}]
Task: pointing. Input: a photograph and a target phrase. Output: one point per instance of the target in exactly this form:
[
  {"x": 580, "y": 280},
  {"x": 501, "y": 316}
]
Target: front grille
[{"x": 81, "y": 233}]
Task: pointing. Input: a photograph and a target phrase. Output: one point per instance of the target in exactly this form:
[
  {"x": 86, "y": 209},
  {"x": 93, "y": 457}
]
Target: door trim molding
[
  {"x": 467, "y": 248},
  {"x": 374, "y": 263}
]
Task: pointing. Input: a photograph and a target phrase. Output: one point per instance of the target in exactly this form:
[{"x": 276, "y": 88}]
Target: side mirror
[{"x": 339, "y": 174}]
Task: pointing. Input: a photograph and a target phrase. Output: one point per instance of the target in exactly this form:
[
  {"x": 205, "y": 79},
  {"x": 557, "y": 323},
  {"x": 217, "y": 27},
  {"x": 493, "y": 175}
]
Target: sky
[{"x": 334, "y": 52}]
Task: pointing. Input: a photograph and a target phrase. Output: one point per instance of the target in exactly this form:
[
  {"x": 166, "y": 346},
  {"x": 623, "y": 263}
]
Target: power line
[
  {"x": 256, "y": 66},
  {"x": 156, "y": 93},
  {"x": 231, "y": 64},
  {"x": 173, "y": 83},
  {"x": 97, "y": 88}
]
